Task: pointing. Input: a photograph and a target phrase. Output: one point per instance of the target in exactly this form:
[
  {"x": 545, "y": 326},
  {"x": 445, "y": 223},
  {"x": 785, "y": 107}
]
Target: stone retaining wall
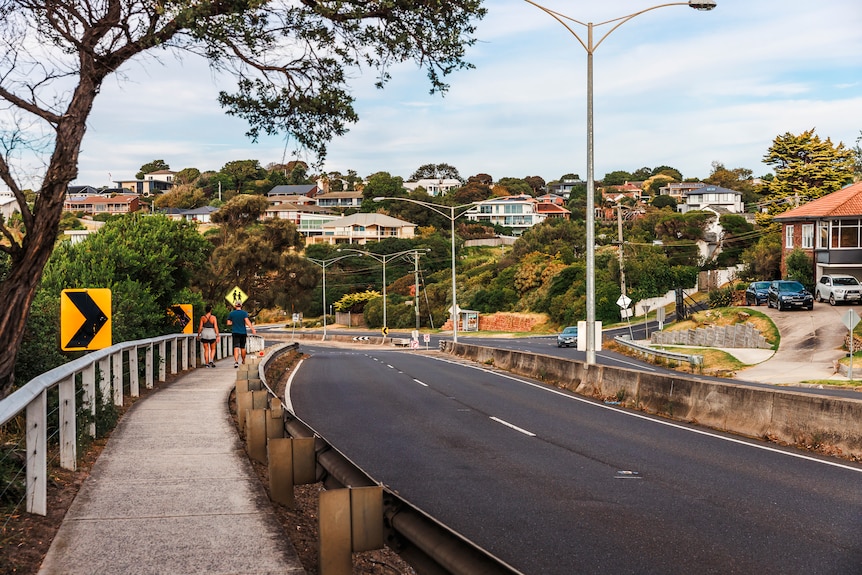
[{"x": 737, "y": 335}]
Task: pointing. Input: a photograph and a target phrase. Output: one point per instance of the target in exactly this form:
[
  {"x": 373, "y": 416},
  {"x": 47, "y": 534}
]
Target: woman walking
[{"x": 208, "y": 334}]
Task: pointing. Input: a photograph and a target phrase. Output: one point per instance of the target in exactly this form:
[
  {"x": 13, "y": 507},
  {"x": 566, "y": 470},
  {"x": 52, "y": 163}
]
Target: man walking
[{"x": 239, "y": 323}]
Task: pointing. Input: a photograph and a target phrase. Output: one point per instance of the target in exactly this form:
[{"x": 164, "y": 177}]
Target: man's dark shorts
[{"x": 239, "y": 340}]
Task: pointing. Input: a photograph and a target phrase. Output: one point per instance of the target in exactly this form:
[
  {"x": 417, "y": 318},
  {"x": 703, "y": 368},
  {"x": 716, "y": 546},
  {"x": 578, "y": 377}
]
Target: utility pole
[{"x": 416, "y": 287}]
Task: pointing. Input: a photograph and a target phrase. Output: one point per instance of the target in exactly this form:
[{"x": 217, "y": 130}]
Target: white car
[{"x": 838, "y": 288}]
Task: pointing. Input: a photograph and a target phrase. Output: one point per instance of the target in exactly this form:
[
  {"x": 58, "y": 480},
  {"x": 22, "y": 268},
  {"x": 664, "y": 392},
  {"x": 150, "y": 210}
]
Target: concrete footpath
[{"x": 174, "y": 493}]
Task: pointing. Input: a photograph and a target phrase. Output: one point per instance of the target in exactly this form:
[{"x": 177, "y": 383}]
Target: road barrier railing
[
  {"x": 694, "y": 360},
  {"x": 426, "y": 544},
  {"x": 117, "y": 370}
]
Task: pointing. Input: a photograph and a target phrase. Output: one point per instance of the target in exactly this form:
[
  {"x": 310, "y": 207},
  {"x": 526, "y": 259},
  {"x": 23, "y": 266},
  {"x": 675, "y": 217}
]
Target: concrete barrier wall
[{"x": 829, "y": 423}]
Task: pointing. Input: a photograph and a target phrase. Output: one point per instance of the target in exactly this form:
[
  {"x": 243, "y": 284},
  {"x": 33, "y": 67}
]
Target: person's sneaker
[
  {"x": 212, "y": 364},
  {"x": 236, "y": 364}
]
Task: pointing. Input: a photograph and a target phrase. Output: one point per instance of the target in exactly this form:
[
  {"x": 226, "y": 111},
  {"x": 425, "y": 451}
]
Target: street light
[
  {"x": 590, "y": 46},
  {"x": 452, "y": 217},
  {"x": 383, "y": 258},
  {"x": 323, "y": 264}
]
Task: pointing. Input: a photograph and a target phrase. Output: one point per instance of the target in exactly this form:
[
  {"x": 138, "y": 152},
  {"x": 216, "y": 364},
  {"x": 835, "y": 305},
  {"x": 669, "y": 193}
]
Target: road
[{"x": 553, "y": 483}]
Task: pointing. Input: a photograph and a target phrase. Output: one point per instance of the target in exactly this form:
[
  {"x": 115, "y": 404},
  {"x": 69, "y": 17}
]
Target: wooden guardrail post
[{"x": 291, "y": 462}]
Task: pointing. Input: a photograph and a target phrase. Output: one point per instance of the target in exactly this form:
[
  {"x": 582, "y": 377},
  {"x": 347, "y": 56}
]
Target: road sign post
[{"x": 850, "y": 320}]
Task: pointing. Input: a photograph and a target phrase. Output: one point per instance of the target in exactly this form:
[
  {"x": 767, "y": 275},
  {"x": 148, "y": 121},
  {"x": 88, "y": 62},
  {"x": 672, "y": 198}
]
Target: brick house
[{"x": 829, "y": 230}]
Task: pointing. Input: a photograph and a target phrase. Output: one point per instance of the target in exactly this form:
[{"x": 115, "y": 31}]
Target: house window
[
  {"x": 823, "y": 237},
  {"x": 808, "y": 236},
  {"x": 788, "y": 237},
  {"x": 845, "y": 234}
]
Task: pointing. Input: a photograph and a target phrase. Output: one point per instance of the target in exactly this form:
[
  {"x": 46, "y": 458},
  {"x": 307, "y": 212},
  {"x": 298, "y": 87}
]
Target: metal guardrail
[
  {"x": 429, "y": 546},
  {"x": 175, "y": 352},
  {"x": 694, "y": 360}
]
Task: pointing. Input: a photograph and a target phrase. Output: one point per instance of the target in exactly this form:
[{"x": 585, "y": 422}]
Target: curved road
[{"x": 555, "y": 483}]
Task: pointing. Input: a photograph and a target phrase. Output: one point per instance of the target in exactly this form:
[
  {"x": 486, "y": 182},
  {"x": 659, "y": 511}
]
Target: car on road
[
  {"x": 784, "y": 294},
  {"x": 838, "y": 288},
  {"x": 756, "y": 293},
  {"x": 568, "y": 337}
]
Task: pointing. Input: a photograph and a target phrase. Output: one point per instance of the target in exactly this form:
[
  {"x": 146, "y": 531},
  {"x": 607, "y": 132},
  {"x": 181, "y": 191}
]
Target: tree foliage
[
  {"x": 435, "y": 172},
  {"x": 805, "y": 167},
  {"x": 292, "y": 62}
]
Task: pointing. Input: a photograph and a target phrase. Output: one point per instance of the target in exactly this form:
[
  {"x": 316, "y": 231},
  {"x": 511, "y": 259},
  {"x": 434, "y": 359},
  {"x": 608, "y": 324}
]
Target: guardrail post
[
  {"x": 291, "y": 462},
  {"x": 88, "y": 382},
  {"x": 105, "y": 381},
  {"x": 351, "y": 520},
  {"x": 174, "y": 356},
  {"x": 68, "y": 434},
  {"x": 148, "y": 366},
  {"x": 162, "y": 360},
  {"x": 134, "y": 379},
  {"x": 184, "y": 356},
  {"x": 37, "y": 461},
  {"x": 117, "y": 377}
]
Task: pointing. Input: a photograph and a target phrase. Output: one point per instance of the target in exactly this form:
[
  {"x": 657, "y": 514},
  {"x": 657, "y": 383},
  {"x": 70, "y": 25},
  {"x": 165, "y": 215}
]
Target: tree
[
  {"x": 805, "y": 167},
  {"x": 436, "y": 172},
  {"x": 537, "y": 184},
  {"x": 512, "y": 187},
  {"x": 800, "y": 267},
  {"x": 242, "y": 172},
  {"x": 187, "y": 176},
  {"x": 673, "y": 173},
  {"x": 664, "y": 201},
  {"x": 471, "y": 192},
  {"x": 857, "y": 158},
  {"x": 383, "y": 184},
  {"x": 151, "y": 167},
  {"x": 183, "y": 196},
  {"x": 481, "y": 179},
  {"x": 58, "y": 53},
  {"x": 617, "y": 178}
]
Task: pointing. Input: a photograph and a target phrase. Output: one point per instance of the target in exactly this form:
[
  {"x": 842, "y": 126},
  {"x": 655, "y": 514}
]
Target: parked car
[
  {"x": 838, "y": 288},
  {"x": 785, "y": 294},
  {"x": 568, "y": 337},
  {"x": 756, "y": 293}
]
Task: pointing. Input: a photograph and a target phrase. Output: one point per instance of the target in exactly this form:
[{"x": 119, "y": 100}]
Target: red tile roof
[{"x": 845, "y": 202}]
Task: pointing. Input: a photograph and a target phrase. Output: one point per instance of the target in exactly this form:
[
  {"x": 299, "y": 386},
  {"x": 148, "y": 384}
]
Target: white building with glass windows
[
  {"x": 709, "y": 196},
  {"x": 829, "y": 229},
  {"x": 518, "y": 213}
]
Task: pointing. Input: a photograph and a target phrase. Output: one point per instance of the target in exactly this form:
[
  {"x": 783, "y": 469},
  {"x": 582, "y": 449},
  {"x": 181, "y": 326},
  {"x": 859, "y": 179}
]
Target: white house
[
  {"x": 434, "y": 186},
  {"x": 519, "y": 213},
  {"x": 362, "y": 228},
  {"x": 715, "y": 197},
  {"x": 8, "y": 204}
]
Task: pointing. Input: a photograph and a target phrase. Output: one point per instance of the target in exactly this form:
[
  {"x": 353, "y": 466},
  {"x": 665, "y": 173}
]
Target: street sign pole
[{"x": 850, "y": 320}]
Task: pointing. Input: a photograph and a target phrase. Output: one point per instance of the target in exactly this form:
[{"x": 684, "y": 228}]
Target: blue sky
[{"x": 673, "y": 86}]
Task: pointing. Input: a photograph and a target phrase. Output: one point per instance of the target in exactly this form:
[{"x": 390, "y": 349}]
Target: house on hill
[
  {"x": 308, "y": 190},
  {"x": 362, "y": 228},
  {"x": 827, "y": 229}
]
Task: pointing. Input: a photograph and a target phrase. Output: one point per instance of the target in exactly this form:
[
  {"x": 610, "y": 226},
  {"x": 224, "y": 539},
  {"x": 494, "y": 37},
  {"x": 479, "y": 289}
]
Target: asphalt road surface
[{"x": 553, "y": 483}]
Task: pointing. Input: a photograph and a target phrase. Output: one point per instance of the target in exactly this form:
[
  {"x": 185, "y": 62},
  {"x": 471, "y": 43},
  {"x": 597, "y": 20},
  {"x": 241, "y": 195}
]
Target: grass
[{"x": 713, "y": 359}]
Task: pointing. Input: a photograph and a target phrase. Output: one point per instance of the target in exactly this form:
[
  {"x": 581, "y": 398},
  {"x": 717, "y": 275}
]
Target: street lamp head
[
  {"x": 379, "y": 199},
  {"x": 704, "y": 5}
]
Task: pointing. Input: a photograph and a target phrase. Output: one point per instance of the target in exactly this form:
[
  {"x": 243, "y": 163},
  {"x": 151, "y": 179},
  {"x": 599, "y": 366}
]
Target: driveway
[{"x": 810, "y": 342}]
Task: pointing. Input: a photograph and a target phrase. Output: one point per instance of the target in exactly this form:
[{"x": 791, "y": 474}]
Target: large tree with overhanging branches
[{"x": 291, "y": 59}]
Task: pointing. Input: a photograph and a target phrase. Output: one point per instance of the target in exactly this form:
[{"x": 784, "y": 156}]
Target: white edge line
[
  {"x": 287, "y": 402},
  {"x": 512, "y": 426},
  {"x": 658, "y": 421},
  {"x": 420, "y": 382}
]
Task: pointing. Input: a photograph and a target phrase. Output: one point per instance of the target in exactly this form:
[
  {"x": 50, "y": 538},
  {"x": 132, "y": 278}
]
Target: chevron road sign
[{"x": 85, "y": 319}]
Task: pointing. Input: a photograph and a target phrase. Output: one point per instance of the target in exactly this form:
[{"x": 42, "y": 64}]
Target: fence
[{"x": 54, "y": 401}]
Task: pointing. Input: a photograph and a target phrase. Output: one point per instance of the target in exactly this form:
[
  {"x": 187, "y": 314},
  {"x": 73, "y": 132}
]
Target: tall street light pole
[
  {"x": 452, "y": 217},
  {"x": 382, "y": 258},
  {"x": 323, "y": 264},
  {"x": 590, "y": 46}
]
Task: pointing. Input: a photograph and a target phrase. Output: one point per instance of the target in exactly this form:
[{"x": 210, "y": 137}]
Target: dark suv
[{"x": 785, "y": 294}]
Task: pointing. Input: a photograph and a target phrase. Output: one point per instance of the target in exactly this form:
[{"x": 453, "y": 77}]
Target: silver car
[
  {"x": 838, "y": 288},
  {"x": 568, "y": 337}
]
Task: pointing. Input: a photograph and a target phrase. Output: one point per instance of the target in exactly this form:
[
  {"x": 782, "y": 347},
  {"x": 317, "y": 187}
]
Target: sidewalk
[{"x": 173, "y": 492}]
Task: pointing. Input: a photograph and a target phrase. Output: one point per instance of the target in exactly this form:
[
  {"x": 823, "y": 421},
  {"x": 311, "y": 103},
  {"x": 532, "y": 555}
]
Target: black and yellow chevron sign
[{"x": 85, "y": 319}]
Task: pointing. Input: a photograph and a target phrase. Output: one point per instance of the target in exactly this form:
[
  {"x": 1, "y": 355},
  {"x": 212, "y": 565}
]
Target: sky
[{"x": 673, "y": 86}]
